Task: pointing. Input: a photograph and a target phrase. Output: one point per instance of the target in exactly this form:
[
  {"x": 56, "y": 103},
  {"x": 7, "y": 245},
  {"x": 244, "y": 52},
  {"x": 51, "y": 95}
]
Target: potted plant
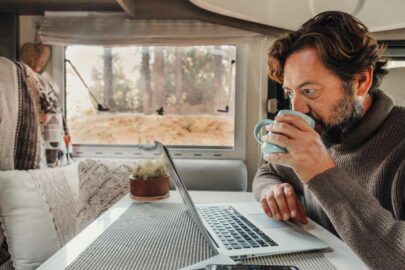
[{"x": 149, "y": 181}]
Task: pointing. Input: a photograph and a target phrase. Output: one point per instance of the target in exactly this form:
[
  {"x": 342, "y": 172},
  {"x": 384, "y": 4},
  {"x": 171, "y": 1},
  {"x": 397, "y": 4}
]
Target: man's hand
[
  {"x": 281, "y": 203},
  {"x": 307, "y": 155}
]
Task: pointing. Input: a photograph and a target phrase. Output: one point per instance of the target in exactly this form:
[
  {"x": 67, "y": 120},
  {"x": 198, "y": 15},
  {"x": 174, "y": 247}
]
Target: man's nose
[{"x": 298, "y": 104}]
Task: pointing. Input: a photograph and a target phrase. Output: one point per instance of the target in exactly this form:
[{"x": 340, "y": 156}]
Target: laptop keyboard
[{"x": 234, "y": 230}]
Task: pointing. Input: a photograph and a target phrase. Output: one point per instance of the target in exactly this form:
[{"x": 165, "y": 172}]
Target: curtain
[{"x": 116, "y": 28}]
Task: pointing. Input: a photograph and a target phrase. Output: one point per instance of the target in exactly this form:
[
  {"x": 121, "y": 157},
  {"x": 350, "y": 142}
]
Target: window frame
[
  {"x": 195, "y": 152},
  {"x": 395, "y": 49}
]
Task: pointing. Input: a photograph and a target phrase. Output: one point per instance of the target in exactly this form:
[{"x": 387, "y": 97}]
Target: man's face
[{"x": 319, "y": 93}]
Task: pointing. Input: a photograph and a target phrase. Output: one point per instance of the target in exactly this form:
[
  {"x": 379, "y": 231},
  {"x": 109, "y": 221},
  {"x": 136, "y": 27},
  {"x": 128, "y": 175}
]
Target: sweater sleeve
[
  {"x": 269, "y": 175},
  {"x": 370, "y": 230},
  {"x": 266, "y": 177}
]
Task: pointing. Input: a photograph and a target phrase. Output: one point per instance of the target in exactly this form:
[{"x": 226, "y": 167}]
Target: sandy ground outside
[{"x": 201, "y": 130}]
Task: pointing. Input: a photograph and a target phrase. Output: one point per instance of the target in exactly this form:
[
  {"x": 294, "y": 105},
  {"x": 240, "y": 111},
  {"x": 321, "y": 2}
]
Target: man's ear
[{"x": 363, "y": 81}]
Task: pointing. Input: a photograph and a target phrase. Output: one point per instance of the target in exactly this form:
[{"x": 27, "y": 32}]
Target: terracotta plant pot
[{"x": 150, "y": 189}]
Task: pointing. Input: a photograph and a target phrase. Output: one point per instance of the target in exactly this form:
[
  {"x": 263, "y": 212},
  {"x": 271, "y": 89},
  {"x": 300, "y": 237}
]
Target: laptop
[{"x": 241, "y": 230}]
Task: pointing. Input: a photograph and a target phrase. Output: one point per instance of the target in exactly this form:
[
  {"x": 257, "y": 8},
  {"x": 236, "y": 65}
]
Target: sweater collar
[{"x": 374, "y": 118}]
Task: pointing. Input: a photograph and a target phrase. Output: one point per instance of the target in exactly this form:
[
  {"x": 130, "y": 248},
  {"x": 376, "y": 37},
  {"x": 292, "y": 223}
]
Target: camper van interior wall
[{"x": 149, "y": 181}]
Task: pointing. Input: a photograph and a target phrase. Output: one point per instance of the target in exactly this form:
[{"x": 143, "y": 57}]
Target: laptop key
[
  {"x": 236, "y": 246},
  {"x": 251, "y": 242}
]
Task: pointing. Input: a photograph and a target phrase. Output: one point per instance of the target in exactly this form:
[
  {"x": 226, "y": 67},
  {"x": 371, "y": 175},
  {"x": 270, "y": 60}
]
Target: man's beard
[{"x": 345, "y": 114}]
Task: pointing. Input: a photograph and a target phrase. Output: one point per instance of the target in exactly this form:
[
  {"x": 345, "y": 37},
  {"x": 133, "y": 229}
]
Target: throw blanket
[
  {"x": 9, "y": 101},
  {"x": 26, "y": 145},
  {"x": 34, "y": 134}
]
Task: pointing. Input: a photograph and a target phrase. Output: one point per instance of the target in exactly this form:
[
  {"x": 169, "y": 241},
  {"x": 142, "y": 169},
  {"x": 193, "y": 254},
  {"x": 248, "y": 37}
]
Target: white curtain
[{"x": 116, "y": 28}]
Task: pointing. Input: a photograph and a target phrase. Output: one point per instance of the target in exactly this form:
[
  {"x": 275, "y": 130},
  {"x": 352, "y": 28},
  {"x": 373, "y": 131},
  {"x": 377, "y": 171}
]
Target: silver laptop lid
[{"x": 181, "y": 188}]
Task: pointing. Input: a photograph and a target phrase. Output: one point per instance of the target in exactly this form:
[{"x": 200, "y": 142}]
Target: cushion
[
  {"x": 37, "y": 213},
  {"x": 102, "y": 183}
]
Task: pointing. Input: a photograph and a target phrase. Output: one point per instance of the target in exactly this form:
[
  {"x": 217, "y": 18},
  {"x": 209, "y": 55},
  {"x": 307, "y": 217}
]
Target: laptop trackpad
[{"x": 267, "y": 222}]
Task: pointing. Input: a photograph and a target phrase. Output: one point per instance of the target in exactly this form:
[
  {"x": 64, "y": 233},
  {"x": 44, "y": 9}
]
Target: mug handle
[{"x": 259, "y": 125}]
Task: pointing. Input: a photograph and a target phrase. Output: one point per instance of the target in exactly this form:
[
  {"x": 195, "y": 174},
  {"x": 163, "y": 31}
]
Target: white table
[{"x": 340, "y": 255}]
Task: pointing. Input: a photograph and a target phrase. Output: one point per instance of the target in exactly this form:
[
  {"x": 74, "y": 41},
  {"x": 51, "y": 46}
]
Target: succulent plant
[{"x": 149, "y": 169}]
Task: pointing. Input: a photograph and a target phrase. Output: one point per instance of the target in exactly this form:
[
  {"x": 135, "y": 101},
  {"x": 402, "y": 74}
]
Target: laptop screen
[{"x": 181, "y": 188}]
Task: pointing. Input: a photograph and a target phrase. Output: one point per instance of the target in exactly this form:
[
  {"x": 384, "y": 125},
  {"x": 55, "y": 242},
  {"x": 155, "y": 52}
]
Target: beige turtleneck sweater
[{"x": 362, "y": 199}]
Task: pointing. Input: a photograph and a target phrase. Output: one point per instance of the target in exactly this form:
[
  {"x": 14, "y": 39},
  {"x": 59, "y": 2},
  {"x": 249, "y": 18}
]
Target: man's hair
[{"x": 342, "y": 41}]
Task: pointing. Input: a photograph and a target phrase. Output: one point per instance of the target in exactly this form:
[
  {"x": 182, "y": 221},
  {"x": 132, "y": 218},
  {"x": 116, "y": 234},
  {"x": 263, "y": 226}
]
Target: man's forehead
[{"x": 302, "y": 68}]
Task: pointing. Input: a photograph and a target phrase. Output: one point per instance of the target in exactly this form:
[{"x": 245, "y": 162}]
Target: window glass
[{"x": 179, "y": 95}]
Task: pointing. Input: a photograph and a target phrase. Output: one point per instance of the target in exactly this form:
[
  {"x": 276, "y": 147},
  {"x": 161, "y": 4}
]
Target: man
[{"x": 351, "y": 167}]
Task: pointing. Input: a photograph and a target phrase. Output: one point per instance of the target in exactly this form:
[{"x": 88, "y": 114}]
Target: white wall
[
  {"x": 28, "y": 26},
  {"x": 256, "y": 99},
  {"x": 394, "y": 85}
]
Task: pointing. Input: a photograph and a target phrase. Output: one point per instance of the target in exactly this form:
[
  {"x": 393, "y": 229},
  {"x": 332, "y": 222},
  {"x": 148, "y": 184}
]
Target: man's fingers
[
  {"x": 265, "y": 206},
  {"x": 277, "y": 139},
  {"x": 291, "y": 200},
  {"x": 284, "y": 129},
  {"x": 282, "y": 203},
  {"x": 273, "y": 206}
]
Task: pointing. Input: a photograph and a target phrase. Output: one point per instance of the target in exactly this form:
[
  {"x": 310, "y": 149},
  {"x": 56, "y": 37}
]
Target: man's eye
[{"x": 309, "y": 92}]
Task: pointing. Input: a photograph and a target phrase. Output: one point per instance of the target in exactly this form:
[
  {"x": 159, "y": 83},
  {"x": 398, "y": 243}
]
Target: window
[{"x": 183, "y": 96}]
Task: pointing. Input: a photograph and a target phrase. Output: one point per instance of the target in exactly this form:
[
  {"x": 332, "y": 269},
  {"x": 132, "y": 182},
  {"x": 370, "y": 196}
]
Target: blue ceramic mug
[{"x": 269, "y": 148}]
